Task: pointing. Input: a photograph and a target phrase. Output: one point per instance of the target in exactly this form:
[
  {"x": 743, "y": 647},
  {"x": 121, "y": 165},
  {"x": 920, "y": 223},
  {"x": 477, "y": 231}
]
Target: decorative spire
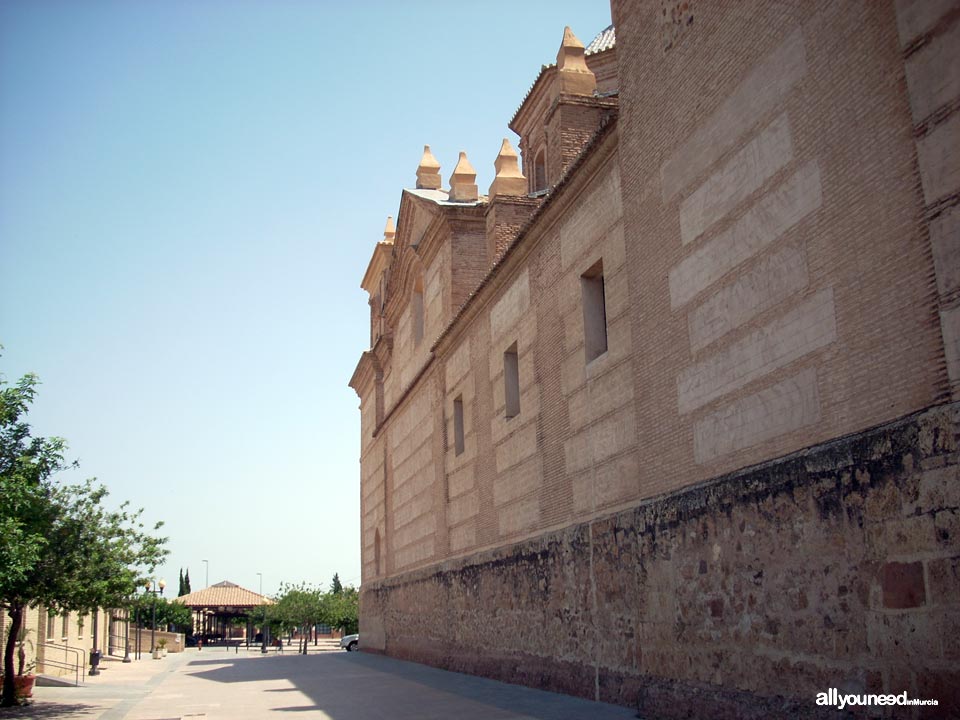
[
  {"x": 573, "y": 75},
  {"x": 509, "y": 179},
  {"x": 428, "y": 172},
  {"x": 463, "y": 182},
  {"x": 390, "y": 231}
]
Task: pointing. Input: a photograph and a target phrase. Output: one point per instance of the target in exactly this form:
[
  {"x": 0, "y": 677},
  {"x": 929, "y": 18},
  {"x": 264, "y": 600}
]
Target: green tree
[
  {"x": 335, "y": 587},
  {"x": 186, "y": 583},
  {"x": 341, "y": 610},
  {"x": 299, "y": 606},
  {"x": 169, "y": 612},
  {"x": 59, "y": 545}
]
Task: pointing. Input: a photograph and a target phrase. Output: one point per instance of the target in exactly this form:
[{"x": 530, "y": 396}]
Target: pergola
[{"x": 214, "y": 608}]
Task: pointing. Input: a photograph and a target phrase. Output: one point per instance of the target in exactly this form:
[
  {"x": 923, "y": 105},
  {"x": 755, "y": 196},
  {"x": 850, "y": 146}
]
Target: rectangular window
[
  {"x": 51, "y": 620},
  {"x": 65, "y": 626},
  {"x": 80, "y": 621},
  {"x": 594, "y": 312},
  {"x": 511, "y": 381},
  {"x": 416, "y": 313},
  {"x": 458, "y": 425}
]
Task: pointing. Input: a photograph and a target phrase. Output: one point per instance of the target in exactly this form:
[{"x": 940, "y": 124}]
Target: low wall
[
  {"x": 742, "y": 597},
  {"x": 175, "y": 641}
]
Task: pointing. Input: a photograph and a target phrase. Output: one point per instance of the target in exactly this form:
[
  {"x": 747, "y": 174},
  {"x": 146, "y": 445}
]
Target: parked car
[{"x": 350, "y": 642}]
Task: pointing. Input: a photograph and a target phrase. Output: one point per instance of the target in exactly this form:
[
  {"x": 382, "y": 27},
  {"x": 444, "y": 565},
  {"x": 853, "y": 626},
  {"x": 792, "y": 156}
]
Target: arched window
[{"x": 540, "y": 172}]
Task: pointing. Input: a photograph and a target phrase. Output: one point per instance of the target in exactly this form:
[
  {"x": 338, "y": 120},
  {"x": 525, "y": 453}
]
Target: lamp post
[
  {"x": 263, "y": 631},
  {"x": 136, "y": 621},
  {"x": 95, "y": 652},
  {"x": 250, "y": 624},
  {"x": 126, "y": 635},
  {"x": 153, "y": 625}
]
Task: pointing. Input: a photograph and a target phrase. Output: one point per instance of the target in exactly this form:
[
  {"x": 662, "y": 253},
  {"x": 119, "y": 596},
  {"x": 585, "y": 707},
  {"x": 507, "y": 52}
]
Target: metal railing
[{"x": 76, "y": 666}]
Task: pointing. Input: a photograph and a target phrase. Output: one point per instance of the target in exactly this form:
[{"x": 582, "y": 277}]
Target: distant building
[
  {"x": 668, "y": 418},
  {"x": 58, "y": 643}
]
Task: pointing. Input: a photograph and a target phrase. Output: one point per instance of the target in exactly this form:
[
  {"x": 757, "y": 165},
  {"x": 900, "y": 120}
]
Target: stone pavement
[{"x": 327, "y": 684}]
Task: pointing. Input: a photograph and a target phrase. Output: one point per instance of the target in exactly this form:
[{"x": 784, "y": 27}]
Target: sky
[{"x": 190, "y": 192}]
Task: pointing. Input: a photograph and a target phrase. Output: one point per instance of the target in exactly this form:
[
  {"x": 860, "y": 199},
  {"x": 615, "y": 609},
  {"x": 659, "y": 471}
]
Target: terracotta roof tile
[{"x": 223, "y": 594}]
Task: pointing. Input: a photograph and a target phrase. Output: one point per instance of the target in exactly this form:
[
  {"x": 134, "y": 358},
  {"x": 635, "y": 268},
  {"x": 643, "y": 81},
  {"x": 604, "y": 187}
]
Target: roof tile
[{"x": 223, "y": 594}]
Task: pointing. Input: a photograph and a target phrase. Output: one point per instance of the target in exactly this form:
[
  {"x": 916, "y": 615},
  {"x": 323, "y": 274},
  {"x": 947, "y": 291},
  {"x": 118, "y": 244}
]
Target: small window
[
  {"x": 376, "y": 552},
  {"x": 511, "y": 382},
  {"x": 458, "y": 425},
  {"x": 51, "y": 620},
  {"x": 539, "y": 172},
  {"x": 416, "y": 312},
  {"x": 65, "y": 625},
  {"x": 594, "y": 312},
  {"x": 80, "y": 622}
]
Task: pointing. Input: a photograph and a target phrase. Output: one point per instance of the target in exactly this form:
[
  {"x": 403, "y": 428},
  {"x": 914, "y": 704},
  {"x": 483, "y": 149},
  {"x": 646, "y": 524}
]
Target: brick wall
[
  {"x": 778, "y": 275},
  {"x": 776, "y": 256},
  {"x": 930, "y": 45}
]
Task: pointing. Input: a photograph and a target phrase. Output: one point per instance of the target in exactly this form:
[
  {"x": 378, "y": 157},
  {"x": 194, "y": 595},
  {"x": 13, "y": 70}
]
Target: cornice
[
  {"x": 583, "y": 100},
  {"x": 540, "y": 86},
  {"x": 364, "y": 374}
]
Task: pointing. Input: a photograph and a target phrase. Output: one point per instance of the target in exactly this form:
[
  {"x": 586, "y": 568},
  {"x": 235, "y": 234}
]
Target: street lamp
[
  {"x": 126, "y": 634},
  {"x": 153, "y": 625},
  {"x": 250, "y": 625},
  {"x": 263, "y": 628}
]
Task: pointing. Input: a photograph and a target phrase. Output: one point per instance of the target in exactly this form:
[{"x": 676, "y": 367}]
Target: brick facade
[{"x": 748, "y": 494}]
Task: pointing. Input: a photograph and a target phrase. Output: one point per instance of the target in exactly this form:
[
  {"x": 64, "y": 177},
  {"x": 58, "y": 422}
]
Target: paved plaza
[{"x": 326, "y": 684}]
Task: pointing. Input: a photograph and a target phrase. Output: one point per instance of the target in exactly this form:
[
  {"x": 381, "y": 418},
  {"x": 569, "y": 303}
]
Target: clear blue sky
[{"x": 189, "y": 196}]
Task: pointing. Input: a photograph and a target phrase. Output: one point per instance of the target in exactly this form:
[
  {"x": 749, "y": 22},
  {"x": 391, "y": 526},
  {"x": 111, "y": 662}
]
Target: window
[
  {"x": 80, "y": 622},
  {"x": 416, "y": 312},
  {"x": 376, "y": 552},
  {"x": 51, "y": 619},
  {"x": 65, "y": 625},
  {"x": 511, "y": 382},
  {"x": 458, "y": 425},
  {"x": 539, "y": 172},
  {"x": 594, "y": 312}
]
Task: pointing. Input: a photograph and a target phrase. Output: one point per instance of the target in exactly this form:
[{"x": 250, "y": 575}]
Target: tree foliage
[
  {"x": 168, "y": 612},
  {"x": 303, "y": 606},
  {"x": 342, "y": 610},
  {"x": 59, "y": 545},
  {"x": 184, "y": 587}
]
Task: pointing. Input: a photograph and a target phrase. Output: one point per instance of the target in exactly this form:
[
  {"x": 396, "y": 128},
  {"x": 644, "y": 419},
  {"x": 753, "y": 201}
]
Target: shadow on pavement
[
  {"x": 300, "y": 708},
  {"x": 51, "y": 711},
  {"x": 351, "y": 685}
]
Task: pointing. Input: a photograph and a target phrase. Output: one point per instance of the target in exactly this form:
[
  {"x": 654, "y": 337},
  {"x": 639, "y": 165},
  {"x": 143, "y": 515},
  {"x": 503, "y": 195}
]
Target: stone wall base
[{"x": 741, "y": 597}]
